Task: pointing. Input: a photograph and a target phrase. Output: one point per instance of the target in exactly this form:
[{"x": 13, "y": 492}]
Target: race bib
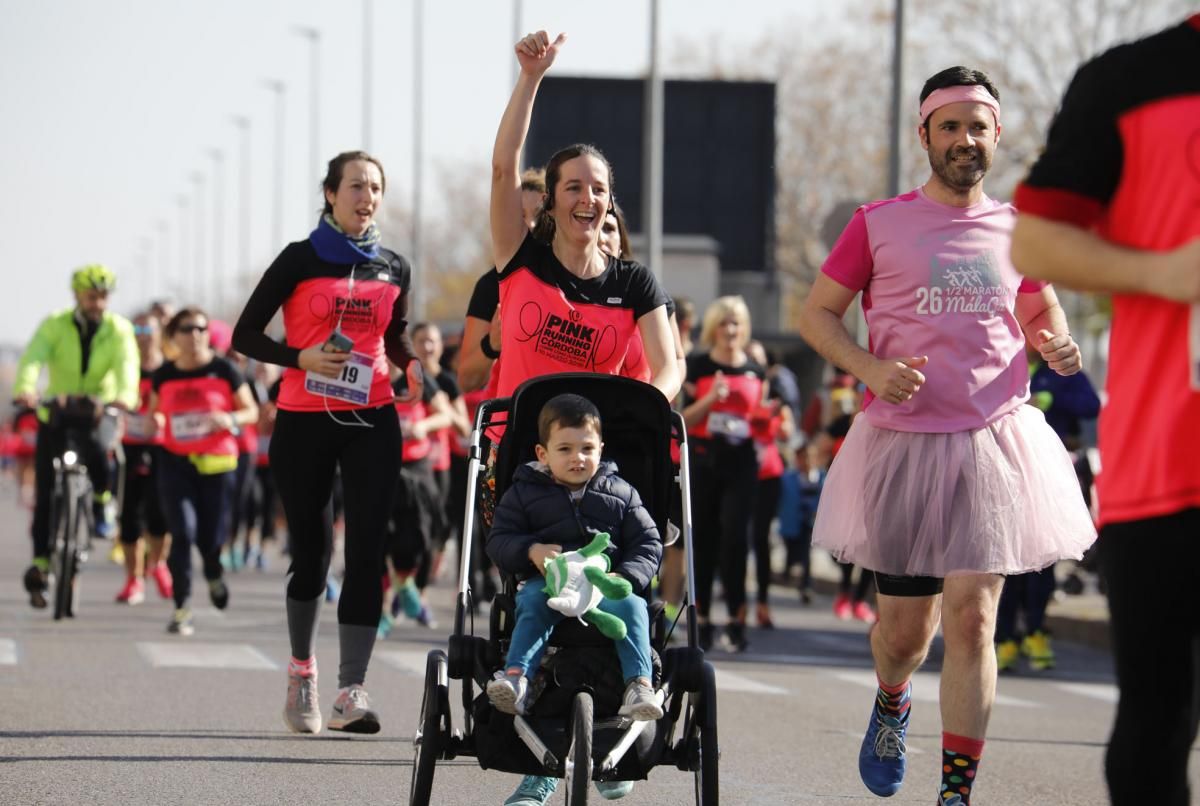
[
  {"x": 1194, "y": 347},
  {"x": 140, "y": 426},
  {"x": 186, "y": 427},
  {"x": 353, "y": 385},
  {"x": 728, "y": 426}
]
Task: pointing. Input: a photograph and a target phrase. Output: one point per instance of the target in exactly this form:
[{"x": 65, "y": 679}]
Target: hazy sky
[{"x": 111, "y": 108}]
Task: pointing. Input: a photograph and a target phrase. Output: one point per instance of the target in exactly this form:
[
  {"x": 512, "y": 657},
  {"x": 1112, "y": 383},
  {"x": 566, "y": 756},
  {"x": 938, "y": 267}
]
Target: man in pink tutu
[
  {"x": 947, "y": 481},
  {"x": 1112, "y": 206}
]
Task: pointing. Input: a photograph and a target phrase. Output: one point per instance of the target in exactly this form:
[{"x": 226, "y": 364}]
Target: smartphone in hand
[{"x": 337, "y": 342}]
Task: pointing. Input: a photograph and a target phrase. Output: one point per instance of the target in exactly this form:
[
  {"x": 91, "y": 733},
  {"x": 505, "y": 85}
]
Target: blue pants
[
  {"x": 536, "y": 620},
  {"x": 197, "y": 509}
]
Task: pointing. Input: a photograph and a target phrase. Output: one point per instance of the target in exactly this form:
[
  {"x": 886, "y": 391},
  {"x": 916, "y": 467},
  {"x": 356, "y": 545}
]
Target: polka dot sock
[{"x": 960, "y": 761}]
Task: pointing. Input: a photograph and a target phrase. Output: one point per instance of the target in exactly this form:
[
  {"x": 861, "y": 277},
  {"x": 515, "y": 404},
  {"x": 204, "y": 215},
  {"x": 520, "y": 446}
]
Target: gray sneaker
[
  {"x": 641, "y": 703},
  {"x": 352, "y": 712},
  {"x": 181, "y": 622},
  {"x": 302, "y": 711}
]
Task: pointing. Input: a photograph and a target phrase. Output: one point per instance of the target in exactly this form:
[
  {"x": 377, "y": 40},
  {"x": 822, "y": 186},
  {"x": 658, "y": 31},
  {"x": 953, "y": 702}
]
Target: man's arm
[
  {"x": 36, "y": 355},
  {"x": 1077, "y": 258},
  {"x": 1044, "y": 323},
  {"x": 128, "y": 368}
]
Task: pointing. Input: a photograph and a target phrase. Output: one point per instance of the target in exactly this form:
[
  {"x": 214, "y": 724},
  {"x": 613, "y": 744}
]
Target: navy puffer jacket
[{"x": 537, "y": 509}]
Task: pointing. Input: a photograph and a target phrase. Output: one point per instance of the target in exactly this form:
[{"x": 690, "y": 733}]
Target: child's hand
[{"x": 540, "y": 553}]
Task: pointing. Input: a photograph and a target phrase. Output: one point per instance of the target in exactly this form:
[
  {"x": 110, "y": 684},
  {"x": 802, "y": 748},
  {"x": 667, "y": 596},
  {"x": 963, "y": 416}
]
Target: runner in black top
[
  {"x": 344, "y": 299},
  {"x": 476, "y": 357},
  {"x": 724, "y": 389}
]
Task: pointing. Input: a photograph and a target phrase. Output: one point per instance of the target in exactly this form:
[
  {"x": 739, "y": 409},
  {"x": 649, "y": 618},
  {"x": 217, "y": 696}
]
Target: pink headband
[{"x": 971, "y": 93}]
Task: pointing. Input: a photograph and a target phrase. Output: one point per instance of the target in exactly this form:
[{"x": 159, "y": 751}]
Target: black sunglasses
[{"x": 189, "y": 329}]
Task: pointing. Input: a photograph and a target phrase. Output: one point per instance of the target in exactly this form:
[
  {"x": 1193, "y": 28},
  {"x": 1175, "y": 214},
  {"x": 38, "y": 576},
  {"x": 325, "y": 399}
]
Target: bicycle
[{"x": 72, "y": 521}]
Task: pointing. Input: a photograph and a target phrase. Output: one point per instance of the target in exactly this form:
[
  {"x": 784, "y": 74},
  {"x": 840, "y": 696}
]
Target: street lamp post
[
  {"x": 418, "y": 148},
  {"x": 314, "y": 111},
  {"x": 652, "y": 152},
  {"x": 893, "y": 188},
  {"x": 182, "y": 268},
  {"x": 243, "y": 217},
  {"x": 367, "y": 75},
  {"x": 216, "y": 281},
  {"x": 198, "y": 283},
  {"x": 280, "y": 90}
]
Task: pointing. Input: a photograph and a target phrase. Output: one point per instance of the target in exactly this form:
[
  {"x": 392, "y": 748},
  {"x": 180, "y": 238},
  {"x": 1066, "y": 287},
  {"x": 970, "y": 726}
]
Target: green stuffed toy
[{"x": 577, "y": 580}]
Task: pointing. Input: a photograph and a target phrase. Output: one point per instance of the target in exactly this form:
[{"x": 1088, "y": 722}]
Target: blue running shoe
[
  {"x": 614, "y": 790},
  {"x": 882, "y": 759},
  {"x": 410, "y": 598},
  {"x": 534, "y": 790},
  {"x": 332, "y": 589}
]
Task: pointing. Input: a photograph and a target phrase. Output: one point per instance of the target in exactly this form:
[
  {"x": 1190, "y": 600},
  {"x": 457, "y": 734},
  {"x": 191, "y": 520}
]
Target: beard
[{"x": 960, "y": 175}]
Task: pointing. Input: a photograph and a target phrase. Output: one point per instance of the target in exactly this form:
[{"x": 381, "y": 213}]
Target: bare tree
[{"x": 833, "y": 79}]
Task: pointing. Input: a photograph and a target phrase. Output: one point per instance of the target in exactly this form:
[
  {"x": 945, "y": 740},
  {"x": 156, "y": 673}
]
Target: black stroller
[{"x": 574, "y": 731}]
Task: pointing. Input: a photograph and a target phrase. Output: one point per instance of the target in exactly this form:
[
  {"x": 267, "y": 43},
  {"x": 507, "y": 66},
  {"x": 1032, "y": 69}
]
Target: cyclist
[{"x": 87, "y": 350}]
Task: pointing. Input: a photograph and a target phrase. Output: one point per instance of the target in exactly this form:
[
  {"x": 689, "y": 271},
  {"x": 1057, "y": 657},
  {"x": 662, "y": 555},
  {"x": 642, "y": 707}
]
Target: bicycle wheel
[
  {"x": 66, "y": 520},
  {"x": 579, "y": 756}
]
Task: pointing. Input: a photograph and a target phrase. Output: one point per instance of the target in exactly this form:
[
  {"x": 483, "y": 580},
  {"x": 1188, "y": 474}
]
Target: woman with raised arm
[{"x": 565, "y": 305}]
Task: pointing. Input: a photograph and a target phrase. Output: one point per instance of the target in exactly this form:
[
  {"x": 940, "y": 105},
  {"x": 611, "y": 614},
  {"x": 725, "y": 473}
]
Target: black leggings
[
  {"x": 306, "y": 450},
  {"x": 141, "y": 507},
  {"x": 1024, "y": 593},
  {"x": 1154, "y": 606},
  {"x": 766, "y": 505},
  {"x": 722, "y": 504}
]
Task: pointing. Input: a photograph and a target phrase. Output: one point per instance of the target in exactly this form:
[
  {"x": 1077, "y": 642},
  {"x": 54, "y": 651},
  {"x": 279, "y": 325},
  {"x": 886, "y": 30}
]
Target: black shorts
[{"x": 895, "y": 585}]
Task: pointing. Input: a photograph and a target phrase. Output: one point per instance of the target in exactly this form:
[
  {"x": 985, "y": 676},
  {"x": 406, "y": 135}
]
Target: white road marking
[
  {"x": 730, "y": 681},
  {"x": 925, "y": 688},
  {"x": 405, "y": 660},
  {"x": 1096, "y": 691},
  {"x": 189, "y": 655},
  {"x": 8, "y": 652}
]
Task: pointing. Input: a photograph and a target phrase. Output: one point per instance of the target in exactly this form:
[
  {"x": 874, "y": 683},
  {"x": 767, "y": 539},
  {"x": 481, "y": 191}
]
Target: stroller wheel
[
  {"x": 579, "y": 756},
  {"x": 428, "y": 743},
  {"x": 708, "y": 753}
]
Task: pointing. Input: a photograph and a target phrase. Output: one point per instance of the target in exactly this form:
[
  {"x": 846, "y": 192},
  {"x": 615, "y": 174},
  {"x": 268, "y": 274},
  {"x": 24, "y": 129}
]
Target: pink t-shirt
[{"x": 937, "y": 281}]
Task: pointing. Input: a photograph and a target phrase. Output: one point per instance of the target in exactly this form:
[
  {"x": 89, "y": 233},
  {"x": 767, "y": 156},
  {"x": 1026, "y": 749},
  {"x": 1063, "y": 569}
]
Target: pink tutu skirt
[{"x": 1002, "y": 499}]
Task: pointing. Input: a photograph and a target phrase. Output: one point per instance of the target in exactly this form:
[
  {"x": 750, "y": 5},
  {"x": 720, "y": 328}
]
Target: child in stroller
[{"x": 557, "y": 504}]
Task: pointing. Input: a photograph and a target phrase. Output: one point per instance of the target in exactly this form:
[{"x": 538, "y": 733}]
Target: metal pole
[
  {"x": 182, "y": 268},
  {"x": 652, "y": 152},
  {"x": 516, "y": 35},
  {"x": 243, "y": 217},
  {"x": 164, "y": 259},
  {"x": 216, "y": 288},
  {"x": 314, "y": 104},
  {"x": 893, "y": 188},
  {"x": 418, "y": 155},
  {"x": 198, "y": 283},
  {"x": 367, "y": 75},
  {"x": 279, "y": 88}
]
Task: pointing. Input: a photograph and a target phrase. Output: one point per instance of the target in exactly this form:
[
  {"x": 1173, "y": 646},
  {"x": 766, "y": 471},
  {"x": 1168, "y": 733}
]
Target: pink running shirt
[{"x": 937, "y": 281}]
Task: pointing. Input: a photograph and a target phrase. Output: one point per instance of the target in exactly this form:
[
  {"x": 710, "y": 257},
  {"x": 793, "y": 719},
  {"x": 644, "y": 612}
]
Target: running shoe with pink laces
[
  {"x": 352, "y": 712},
  {"x": 162, "y": 579},
  {"x": 134, "y": 592},
  {"x": 842, "y": 607},
  {"x": 302, "y": 711},
  {"x": 863, "y": 612}
]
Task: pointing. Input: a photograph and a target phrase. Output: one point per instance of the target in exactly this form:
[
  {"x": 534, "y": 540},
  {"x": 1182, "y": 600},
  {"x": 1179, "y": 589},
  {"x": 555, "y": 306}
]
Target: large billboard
[{"x": 719, "y": 155}]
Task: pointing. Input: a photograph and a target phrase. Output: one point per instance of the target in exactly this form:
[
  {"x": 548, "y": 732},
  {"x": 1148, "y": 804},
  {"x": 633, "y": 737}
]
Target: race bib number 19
[{"x": 353, "y": 385}]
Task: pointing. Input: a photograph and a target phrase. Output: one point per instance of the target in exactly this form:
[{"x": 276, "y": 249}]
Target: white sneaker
[
  {"x": 302, "y": 711},
  {"x": 352, "y": 712},
  {"x": 507, "y": 693}
]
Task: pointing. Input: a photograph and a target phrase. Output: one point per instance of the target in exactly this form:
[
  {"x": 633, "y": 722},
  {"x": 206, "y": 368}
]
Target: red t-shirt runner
[
  {"x": 729, "y": 422},
  {"x": 188, "y": 397},
  {"x": 554, "y": 321},
  {"x": 1123, "y": 158}
]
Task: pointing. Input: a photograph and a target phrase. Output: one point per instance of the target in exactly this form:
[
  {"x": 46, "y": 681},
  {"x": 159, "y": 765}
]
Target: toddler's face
[{"x": 572, "y": 454}]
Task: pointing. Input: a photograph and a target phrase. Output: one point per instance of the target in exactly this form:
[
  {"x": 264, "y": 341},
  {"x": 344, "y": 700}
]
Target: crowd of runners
[{"x": 945, "y": 461}]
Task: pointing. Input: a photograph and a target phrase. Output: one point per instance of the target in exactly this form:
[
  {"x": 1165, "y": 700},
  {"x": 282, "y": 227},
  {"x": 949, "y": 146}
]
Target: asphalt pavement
[{"x": 108, "y": 708}]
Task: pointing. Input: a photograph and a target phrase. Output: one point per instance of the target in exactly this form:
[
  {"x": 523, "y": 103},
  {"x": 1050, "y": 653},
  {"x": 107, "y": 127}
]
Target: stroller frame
[{"x": 685, "y": 737}]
